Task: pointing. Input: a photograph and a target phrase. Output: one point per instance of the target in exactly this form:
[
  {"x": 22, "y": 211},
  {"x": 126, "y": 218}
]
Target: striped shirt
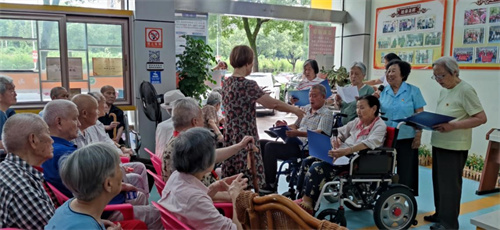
[
  {"x": 322, "y": 120},
  {"x": 24, "y": 203}
]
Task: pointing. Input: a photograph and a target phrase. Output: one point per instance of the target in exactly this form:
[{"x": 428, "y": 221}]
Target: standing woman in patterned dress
[{"x": 239, "y": 96}]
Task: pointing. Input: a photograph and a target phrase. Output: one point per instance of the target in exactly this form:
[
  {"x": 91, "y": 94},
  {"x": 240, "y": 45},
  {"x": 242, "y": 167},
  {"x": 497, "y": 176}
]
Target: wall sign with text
[
  {"x": 475, "y": 36},
  {"x": 321, "y": 41},
  {"x": 414, "y": 31}
]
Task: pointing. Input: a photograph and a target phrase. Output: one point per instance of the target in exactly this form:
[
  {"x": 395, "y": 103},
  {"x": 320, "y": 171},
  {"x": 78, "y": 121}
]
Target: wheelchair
[
  {"x": 290, "y": 168},
  {"x": 370, "y": 183}
]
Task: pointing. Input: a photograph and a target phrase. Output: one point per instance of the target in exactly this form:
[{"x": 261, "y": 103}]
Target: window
[{"x": 80, "y": 53}]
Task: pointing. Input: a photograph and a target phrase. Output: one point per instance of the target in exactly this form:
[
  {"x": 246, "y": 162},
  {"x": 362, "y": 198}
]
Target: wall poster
[
  {"x": 476, "y": 34},
  {"x": 414, "y": 31},
  {"x": 321, "y": 41}
]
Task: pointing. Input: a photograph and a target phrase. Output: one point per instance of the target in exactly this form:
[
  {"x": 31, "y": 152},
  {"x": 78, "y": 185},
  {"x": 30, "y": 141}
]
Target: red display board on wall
[
  {"x": 414, "y": 31},
  {"x": 321, "y": 41},
  {"x": 475, "y": 37}
]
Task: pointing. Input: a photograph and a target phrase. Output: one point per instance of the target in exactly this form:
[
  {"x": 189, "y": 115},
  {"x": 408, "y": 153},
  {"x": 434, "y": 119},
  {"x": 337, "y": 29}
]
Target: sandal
[{"x": 300, "y": 203}]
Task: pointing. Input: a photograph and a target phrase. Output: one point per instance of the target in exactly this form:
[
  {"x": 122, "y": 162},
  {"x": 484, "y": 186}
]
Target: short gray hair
[
  {"x": 54, "y": 92},
  {"x": 448, "y": 63},
  {"x": 4, "y": 81},
  {"x": 214, "y": 98},
  {"x": 97, "y": 95},
  {"x": 194, "y": 150},
  {"x": 361, "y": 66},
  {"x": 184, "y": 111},
  {"x": 84, "y": 171},
  {"x": 17, "y": 129},
  {"x": 321, "y": 88},
  {"x": 57, "y": 108}
]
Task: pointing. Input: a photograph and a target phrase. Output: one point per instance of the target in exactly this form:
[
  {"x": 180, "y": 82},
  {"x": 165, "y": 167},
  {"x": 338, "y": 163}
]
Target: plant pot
[{"x": 425, "y": 160}]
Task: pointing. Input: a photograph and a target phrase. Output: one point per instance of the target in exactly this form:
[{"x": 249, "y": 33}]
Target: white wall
[{"x": 486, "y": 82}]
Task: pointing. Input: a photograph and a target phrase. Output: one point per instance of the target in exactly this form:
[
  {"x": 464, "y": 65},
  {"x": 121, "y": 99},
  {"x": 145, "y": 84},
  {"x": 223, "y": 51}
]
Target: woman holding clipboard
[{"x": 452, "y": 141}]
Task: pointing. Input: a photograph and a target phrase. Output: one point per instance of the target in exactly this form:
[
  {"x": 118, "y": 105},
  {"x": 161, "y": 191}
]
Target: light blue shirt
[
  {"x": 402, "y": 105},
  {"x": 66, "y": 218}
]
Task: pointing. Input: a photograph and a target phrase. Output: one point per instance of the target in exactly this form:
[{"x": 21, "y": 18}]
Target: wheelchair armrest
[
  {"x": 271, "y": 133},
  {"x": 375, "y": 151}
]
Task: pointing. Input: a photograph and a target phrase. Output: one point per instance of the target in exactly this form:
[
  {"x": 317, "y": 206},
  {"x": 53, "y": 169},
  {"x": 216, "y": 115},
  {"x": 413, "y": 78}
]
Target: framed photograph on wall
[
  {"x": 413, "y": 30},
  {"x": 475, "y": 37}
]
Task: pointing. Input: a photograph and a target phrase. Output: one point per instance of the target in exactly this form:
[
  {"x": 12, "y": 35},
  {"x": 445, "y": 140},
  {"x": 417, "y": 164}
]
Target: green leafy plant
[
  {"x": 475, "y": 162},
  {"x": 193, "y": 65},
  {"x": 424, "y": 151},
  {"x": 339, "y": 77}
]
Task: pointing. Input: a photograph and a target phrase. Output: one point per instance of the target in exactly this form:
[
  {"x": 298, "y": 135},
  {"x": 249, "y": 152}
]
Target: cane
[
  {"x": 114, "y": 120},
  {"x": 251, "y": 151}
]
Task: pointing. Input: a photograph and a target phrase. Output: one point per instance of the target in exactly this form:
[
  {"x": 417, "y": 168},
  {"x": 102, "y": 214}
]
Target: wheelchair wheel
[
  {"x": 333, "y": 189},
  {"x": 334, "y": 216},
  {"x": 396, "y": 208},
  {"x": 353, "y": 195}
]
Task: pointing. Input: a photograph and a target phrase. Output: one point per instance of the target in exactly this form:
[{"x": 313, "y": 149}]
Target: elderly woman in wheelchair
[{"x": 366, "y": 131}]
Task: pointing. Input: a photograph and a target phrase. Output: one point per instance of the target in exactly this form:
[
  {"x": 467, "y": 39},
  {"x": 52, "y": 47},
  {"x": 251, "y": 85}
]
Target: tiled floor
[{"x": 472, "y": 204}]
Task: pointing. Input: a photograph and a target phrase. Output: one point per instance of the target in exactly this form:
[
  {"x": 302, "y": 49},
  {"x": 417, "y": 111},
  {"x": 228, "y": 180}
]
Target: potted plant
[
  {"x": 473, "y": 167},
  {"x": 339, "y": 77},
  {"x": 194, "y": 68},
  {"x": 424, "y": 156}
]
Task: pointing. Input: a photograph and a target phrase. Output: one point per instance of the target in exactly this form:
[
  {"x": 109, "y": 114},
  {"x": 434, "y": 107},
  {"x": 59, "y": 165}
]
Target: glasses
[{"x": 437, "y": 77}]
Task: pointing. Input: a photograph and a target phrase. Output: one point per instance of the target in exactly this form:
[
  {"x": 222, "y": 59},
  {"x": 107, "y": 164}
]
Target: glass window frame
[{"x": 64, "y": 17}]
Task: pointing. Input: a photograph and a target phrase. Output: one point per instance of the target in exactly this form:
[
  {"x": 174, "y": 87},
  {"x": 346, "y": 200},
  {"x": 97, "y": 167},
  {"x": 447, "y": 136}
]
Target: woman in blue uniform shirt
[{"x": 399, "y": 100}]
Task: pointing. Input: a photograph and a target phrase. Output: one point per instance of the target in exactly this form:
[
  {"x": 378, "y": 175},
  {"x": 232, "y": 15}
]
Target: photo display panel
[
  {"x": 476, "y": 34},
  {"x": 414, "y": 31}
]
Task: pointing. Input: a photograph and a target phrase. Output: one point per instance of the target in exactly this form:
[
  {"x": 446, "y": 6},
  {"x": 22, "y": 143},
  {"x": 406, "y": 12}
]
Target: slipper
[{"x": 300, "y": 203}]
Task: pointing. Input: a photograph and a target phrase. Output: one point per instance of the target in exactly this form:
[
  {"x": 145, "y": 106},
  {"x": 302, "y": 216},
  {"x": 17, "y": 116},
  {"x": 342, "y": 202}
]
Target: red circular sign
[{"x": 154, "y": 35}]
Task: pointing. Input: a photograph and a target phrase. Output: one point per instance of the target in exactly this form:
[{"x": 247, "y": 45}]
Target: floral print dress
[{"x": 239, "y": 96}]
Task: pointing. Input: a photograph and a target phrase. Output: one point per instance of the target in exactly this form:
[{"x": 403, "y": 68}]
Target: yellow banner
[{"x": 321, "y": 4}]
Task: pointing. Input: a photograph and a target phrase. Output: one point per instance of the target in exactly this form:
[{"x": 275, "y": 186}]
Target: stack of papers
[{"x": 348, "y": 93}]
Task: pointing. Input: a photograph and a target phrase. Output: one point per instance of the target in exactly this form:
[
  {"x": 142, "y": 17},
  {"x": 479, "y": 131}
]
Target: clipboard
[
  {"x": 319, "y": 145},
  {"x": 426, "y": 120},
  {"x": 280, "y": 131},
  {"x": 303, "y": 95}
]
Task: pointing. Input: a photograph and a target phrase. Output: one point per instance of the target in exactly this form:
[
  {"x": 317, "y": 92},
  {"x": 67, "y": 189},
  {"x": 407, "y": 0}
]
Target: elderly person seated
[
  {"x": 8, "y": 98},
  {"x": 318, "y": 118},
  {"x": 185, "y": 196},
  {"x": 24, "y": 203},
  {"x": 210, "y": 111},
  {"x": 62, "y": 118},
  {"x": 108, "y": 120},
  {"x": 97, "y": 131},
  {"x": 93, "y": 175},
  {"x": 165, "y": 130},
  {"x": 366, "y": 131},
  {"x": 186, "y": 115},
  {"x": 88, "y": 112},
  {"x": 356, "y": 75},
  {"x": 57, "y": 93}
]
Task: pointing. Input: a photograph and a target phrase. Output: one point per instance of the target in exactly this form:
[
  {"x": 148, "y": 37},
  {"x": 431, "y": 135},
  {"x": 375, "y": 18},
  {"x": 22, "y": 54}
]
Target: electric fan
[{"x": 151, "y": 101}]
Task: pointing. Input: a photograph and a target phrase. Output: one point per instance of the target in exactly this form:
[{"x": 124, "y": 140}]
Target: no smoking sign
[{"x": 154, "y": 38}]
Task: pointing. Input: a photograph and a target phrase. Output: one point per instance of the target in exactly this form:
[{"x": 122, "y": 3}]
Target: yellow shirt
[{"x": 461, "y": 102}]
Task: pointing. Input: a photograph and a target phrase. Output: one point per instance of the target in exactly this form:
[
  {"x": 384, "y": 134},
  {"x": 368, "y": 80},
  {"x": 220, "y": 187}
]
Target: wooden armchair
[{"x": 276, "y": 212}]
